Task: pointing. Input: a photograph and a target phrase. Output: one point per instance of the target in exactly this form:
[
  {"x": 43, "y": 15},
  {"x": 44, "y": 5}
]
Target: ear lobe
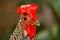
[{"x": 20, "y": 20}]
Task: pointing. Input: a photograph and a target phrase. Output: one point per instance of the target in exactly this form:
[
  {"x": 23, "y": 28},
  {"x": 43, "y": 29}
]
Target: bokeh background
[{"x": 48, "y": 15}]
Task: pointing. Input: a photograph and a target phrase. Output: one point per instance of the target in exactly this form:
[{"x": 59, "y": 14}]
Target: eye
[{"x": 25, "y": 18}]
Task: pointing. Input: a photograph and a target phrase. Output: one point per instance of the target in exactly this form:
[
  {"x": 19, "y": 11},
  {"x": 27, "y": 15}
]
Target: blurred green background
[{"x": 48, "y": 15}]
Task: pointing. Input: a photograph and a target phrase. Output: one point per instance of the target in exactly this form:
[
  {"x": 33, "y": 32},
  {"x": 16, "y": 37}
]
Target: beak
[{"x": 36, "y": 22}]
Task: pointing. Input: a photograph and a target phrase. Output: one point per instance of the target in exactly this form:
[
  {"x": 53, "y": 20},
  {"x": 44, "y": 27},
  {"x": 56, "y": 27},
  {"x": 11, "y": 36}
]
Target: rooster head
[
  {"x": 28, "y": 13},
  {"x": 28, "y": 18}
]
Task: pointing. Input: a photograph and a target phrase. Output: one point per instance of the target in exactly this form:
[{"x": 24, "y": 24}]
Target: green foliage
[{"x": 56, "y": 6}]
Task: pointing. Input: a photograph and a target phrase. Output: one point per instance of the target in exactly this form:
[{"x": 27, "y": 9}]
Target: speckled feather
[{"x": 18, "y": 34}]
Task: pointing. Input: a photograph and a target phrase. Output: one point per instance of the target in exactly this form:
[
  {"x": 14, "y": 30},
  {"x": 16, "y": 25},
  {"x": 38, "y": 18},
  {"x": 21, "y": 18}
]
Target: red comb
[{"x": 30, "y": 9}]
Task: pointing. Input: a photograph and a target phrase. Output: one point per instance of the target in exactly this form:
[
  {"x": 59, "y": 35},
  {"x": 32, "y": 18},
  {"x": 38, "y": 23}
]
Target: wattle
[{"x": 31, "y": 31}]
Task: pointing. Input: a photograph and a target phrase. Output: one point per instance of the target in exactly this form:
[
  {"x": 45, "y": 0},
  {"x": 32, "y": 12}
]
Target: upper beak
[{"x": 36, "y": 22}]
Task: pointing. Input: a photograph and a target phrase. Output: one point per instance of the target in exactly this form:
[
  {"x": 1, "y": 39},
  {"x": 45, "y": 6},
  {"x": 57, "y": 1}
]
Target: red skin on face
[{"x": 31, "y": 31}]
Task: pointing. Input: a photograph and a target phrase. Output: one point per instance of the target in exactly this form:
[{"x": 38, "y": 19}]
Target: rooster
[{"x": 26, "y": 28}]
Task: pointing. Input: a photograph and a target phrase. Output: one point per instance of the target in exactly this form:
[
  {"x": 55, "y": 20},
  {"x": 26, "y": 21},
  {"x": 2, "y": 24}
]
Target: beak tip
[{"x": 38, "y": 24}]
